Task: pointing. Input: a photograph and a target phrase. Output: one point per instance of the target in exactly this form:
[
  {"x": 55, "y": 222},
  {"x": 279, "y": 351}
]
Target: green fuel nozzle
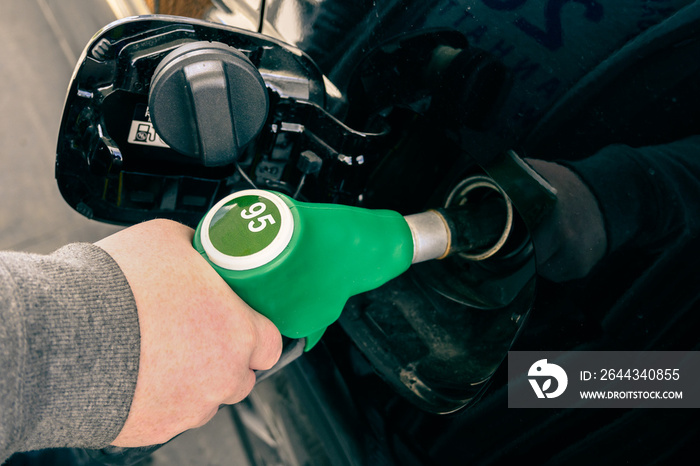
[{"x": 298, "y": 263}]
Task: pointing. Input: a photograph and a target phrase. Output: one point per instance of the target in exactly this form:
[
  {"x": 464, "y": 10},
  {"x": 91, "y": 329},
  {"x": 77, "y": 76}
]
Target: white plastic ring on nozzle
[
  {"x": 268, "y": 250},
  {"x": 470, "y": 184}
]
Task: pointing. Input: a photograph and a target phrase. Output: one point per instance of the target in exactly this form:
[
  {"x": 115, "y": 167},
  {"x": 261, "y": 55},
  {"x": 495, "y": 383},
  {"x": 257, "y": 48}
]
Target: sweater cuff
[{"x": 77, "y": 348}]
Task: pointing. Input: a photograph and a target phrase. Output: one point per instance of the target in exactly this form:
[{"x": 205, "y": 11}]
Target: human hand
[
  {"x": 199, "y": 341},
  {"x": 572, "y": 240}
]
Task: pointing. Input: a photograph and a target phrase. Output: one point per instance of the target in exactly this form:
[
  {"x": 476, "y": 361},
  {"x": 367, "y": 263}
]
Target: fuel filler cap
[{"x": 207, "y": 100}]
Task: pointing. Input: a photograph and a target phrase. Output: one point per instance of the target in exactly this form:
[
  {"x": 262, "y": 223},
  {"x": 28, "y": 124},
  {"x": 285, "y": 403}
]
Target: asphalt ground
[{"x": 40, "y": 42}]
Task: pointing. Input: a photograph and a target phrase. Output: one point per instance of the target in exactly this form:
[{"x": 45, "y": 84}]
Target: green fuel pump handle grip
[{"x": 298, "y": 263}]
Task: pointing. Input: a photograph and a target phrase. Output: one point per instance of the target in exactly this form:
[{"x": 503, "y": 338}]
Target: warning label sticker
[{"x": 142, "y": 131}]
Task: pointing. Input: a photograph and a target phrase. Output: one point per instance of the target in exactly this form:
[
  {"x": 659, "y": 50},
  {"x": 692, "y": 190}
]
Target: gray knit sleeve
[{"x": 69, "y": 349}]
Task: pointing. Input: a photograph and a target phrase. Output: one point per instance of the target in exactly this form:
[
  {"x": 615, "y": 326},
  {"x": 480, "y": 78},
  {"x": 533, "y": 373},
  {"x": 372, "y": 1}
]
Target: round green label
[{"x": 245, "y": 225}]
